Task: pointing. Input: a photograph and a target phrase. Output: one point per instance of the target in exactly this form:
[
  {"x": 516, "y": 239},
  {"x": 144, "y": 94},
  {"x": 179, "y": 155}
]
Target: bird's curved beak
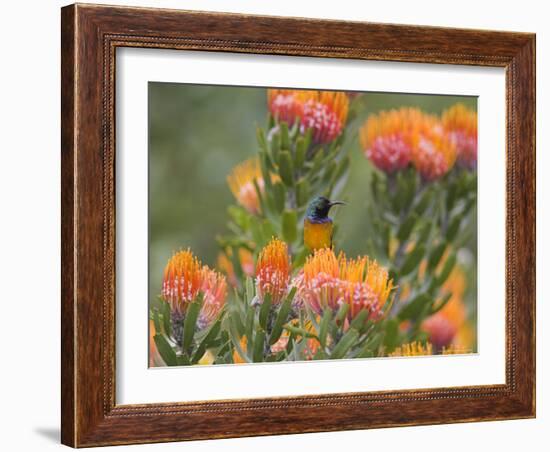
[{"x": 337, "y": 203}]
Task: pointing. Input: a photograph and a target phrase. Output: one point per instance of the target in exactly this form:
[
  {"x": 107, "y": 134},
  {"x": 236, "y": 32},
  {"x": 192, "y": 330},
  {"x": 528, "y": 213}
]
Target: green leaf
[
  {"x": 166, "y": 351},
  {"x": 289, "y": 225},
  {"x": 300, "y": 154},
  {"x": 260, "y": 136},
  {"x": 235, "y": 339},
  {"x": 166, "y": 320},
  {"x": 435, "y": 255},
  {"x": 343, "y": 346},
  {"x": 297, "y": 331},
  {"x": 441, "y": 304},
  {"x": 275, "y": 146},
  {"x": 249, "y": 289},
  {"x": 391, "y": 335},
  {"x": 190, "y": 322},
  {"x": 286, "y": 170},
  {"x": 259, "y": 344},
  {"x": 208, "y": 339},
  {"x": 447, "y": 269},
  {"x": 359, "y": 320},
  {"x": 453, "y": 228},
  {"x": 323, "y": 327},
  {"x": 280, "y": 320},
  {"x": 265, "y": 307},
  {"x": 424, "y": 202},
  {"x": 302, "y": 192},
  {"x": 415, "y": 307},
  {"x": 342, "y": 312},
  {"x": 406, "y": 228},
  {"x": 412, "y": 260},
  {"x": 156, "y": 320},
  {"x": 279, "y": 194},
  {"x": 285, "y": 139}
]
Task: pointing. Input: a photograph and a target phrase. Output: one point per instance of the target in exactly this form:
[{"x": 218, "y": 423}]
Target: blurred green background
[{"x": 197, "y": 134}]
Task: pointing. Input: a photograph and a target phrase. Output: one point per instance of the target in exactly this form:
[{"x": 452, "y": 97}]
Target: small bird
[{"x": 318, "y": 227}]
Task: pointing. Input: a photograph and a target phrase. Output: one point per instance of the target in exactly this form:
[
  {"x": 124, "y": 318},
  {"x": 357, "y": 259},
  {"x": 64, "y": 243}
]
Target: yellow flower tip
[
  {"x": 241, "y": 182},
  {"x": 413, "y": 349},
  {"x": 273, "y": 271},
  {"x": 327, "y": 281},
  {"x": 460, "y": 123},
  {"x": 325, "y": 112},
  {"x": 455, "y": 350}
]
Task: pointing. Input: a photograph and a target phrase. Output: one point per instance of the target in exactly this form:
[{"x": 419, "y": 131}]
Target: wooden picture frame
[{"x": 90, "y": 36}]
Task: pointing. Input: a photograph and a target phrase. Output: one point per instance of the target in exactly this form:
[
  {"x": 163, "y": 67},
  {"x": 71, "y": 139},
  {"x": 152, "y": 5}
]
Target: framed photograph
[{"x": 281, "y": 225}]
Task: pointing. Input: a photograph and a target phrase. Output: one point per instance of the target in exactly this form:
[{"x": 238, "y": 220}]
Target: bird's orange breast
[{"x": 317, "y": 235}]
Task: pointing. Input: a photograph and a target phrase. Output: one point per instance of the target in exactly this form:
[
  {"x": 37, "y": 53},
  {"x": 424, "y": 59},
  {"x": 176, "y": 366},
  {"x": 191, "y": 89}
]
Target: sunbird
[{"x": 318, "y": 226}]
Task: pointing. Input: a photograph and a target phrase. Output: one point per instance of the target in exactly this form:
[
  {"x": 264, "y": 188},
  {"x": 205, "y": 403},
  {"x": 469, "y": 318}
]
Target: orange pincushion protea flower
[
  {"x": 273, "y": 271},
  {"x": 241, "y": 182},
  {"x": 185, "y": 278},
  {"x": 392, "y": 139},
  {"x": 413, "y": 349},
  {"x": 460, "y": 124},
  {"x": 327, "y": 282},
  {"x": 325, "y": 112},
  {"x": 389, "y": 137},
  {"x": 182, "y": 280},
  {"x": 434, "y": 153}
]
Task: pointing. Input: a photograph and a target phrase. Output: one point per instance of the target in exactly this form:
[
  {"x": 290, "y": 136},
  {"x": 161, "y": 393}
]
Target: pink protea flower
[
  {"x": 273, "y": 272},
  {"x": 214, "y": 288},
  {"x": 387, "y": 138},
  {"x": 327, "y": 282},
  {"x": 434, "y": 152},
  {"x": 393, "y": 139},
  {"x": 325, "y": 112},
  {"x": 460, "y": 124},
  {"x": 184, "y": 279}
]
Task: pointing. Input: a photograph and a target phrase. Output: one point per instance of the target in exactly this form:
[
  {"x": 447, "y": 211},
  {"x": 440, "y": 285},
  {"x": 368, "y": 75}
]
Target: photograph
[{"x": 301, "y": 225}]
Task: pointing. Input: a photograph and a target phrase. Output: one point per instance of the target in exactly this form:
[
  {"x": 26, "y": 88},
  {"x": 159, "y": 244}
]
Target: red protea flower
[
  {"x": 460, "y": 124},
  {"x": 184, "y": 279},
  {"x": 325, "y": 112},
  {"x": 327, "y": 282},
  {"x": 273, "y": 271}
]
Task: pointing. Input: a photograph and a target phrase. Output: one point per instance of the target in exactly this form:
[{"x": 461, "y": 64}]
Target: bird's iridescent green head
[{"x": 319, "y": 207}]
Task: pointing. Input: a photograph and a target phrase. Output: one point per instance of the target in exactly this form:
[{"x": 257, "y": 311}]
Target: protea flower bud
[{"x": 241, "y": 182}]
